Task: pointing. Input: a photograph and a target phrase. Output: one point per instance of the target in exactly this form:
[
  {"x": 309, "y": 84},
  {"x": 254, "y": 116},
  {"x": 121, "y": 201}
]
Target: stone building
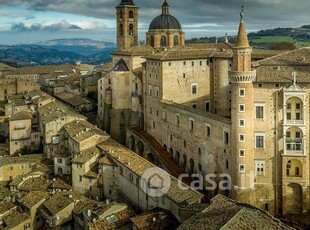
[{"x": 220, "y": 109}]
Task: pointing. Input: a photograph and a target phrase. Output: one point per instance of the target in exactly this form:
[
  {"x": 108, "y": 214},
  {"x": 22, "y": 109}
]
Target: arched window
[
  {"x": 131, "y": 29},
  {"x": 121, "y": 30},
  {"x": 131, "y": 14},
  {"x": 176, "y": 40},
  {"x": 121, "y": 14},
  {"x": 152, "y": 41},
  {"x": 163, "y": 41}
]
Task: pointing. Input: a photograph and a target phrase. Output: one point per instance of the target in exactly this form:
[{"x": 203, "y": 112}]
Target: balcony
[
  {"x": 294, "y": 148},
  {"x": 19, "y": 127},
  {"x": 19, "y": 138},
  {"x": 294, "y": 122}
]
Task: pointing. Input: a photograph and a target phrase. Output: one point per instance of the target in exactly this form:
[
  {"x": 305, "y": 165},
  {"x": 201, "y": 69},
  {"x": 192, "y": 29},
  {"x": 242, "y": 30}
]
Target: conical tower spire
[
  {"x": 165, "y": 8},
  {"x": 242, "y": 37}
]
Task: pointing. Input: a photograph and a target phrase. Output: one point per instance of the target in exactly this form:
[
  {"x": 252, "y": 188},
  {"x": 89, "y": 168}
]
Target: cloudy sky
[{"x": 25, "y": 21}]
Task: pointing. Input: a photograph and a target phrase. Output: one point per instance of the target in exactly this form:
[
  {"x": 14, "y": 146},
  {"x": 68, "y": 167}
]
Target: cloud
[
  {"x": 59, "y": 26},
  {"x": 259, "y": 13}
]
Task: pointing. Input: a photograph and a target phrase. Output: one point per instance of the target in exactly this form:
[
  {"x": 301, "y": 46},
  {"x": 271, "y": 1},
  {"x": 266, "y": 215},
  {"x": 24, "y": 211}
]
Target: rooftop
[
  {"x": 111, "y": 216},
  {"x": 72, "y": 99},
  {"x": 58, "y": 202},
  {"x": 61, "y": 69},
  {"x": 6, "y": 206},
  {"x": 225, "y": 213},
  {"x": 55, "y": 110},
  {"x": 82, "y": 130},
  {"x": 61, "y": 184},
  {"x": 14, "y": 219},
  {"x": 33, "y": 198},
  {"x": 157, "y": 219},
  {"x": 35, "y": 184},
  {"x": 139, "y": 165},
  {"x": 23, "y": 159},
  {"x": 86, "y": 155},
  {"x": 279, "y": 68},
  {"x": 22, "y": 115}
]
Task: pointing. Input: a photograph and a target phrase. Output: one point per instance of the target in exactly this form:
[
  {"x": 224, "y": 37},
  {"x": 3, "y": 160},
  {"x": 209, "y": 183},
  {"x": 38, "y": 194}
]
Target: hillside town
[{"x": 168, "y": 135}]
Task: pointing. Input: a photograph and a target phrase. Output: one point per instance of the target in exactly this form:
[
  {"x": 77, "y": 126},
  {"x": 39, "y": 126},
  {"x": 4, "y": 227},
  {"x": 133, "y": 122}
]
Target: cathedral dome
[{"x": 165, "y": 20}]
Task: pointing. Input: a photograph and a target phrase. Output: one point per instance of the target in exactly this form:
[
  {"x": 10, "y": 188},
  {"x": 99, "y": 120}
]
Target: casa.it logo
[{"x": 155, "y": 182}]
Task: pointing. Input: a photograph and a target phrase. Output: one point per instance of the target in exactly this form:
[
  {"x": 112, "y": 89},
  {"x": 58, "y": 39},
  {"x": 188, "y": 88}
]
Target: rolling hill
[{"x": 59, "y": 51}]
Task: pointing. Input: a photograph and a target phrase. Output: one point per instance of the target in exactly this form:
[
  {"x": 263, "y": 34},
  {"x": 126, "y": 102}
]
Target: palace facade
[{"x": 224, "y": 109}]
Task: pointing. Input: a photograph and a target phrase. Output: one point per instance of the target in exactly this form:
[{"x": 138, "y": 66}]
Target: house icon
[{"x": 155, "y": 181}]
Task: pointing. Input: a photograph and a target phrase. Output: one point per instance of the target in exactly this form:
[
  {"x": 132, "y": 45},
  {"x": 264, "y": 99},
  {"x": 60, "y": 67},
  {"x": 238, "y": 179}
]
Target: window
[
  {"x": 242, "y": 123},
  {"x": 169, "y": 63},
  {"x": 288, "y": 116},
  {"x": 208, "y": 130},
  {"x": 131, "y": 14},
  {"x": 207, "y": 104},
  {"x": 297, "y": 134},
  {"x": 191, "y": 124},
  {"x": 164, "y": 115},
  {"x": 194, "y": 106},
  {"x": 199, "y": 167},
  {"x": 194, "y": 88},
  {"x": 184, "y": 63},
  {"x": 259, "y": 141},
  {"x": 59, "y": 170},
  {"x": 241, "y": 108},
  {"x": 259, "y": 168},
  {"x": 80, "y": 178},
  {"x": 177, "y": 119},
  {"x": 156, "y": 92},
  {"x": 241, "y": 168},
  {"x": 298, "y": 116},
  {"x": 226, "y": 138},
  {"x": 241, "y": 137},
  {"x": 241, "y": 152},
  {"x": 241, "y": 92},
  {"x": 277, "y": 85},
  {"x": 298, "y": 106},
  {"x": 288, "y": 106},
  {"x": 150, "y": 90},
  {"x": 154, "y": 125},
  {"x": 288, "y": 134},
  {"x": 193, "y": 63},
  {"x": 259, "y": 112},
  {"x": 260, "y": 85},
  {"x": 59, "y": 160},
  {"x": 163, "y": 41}
]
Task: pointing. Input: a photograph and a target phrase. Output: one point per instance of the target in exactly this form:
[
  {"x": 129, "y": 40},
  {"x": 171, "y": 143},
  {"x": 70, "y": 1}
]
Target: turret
[{"x": 242, "y": 111}]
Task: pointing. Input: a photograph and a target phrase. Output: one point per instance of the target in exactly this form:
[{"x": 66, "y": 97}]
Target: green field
[
  {"x": 302, "y": 44},
  {"x": 273, "y": 39}
]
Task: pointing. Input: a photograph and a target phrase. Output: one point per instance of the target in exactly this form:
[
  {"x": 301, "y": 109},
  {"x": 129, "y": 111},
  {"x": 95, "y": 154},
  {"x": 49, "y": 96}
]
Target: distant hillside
[
  {"x": 59, "y": 51},
  {"x": 299, "y": 37}
]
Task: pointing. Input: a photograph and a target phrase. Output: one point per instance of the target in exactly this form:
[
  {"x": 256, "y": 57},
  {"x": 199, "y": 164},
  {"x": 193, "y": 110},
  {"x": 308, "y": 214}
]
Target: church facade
[{"x": 214, "y": 109}]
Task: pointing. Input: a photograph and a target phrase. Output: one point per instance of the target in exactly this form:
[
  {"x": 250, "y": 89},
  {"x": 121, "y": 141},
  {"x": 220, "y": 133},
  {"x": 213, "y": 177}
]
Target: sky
[{"x": 29, "y": 21}]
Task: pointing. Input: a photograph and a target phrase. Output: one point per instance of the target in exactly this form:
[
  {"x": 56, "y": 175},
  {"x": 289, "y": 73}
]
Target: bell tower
[{"x": 127, "y": 24}]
